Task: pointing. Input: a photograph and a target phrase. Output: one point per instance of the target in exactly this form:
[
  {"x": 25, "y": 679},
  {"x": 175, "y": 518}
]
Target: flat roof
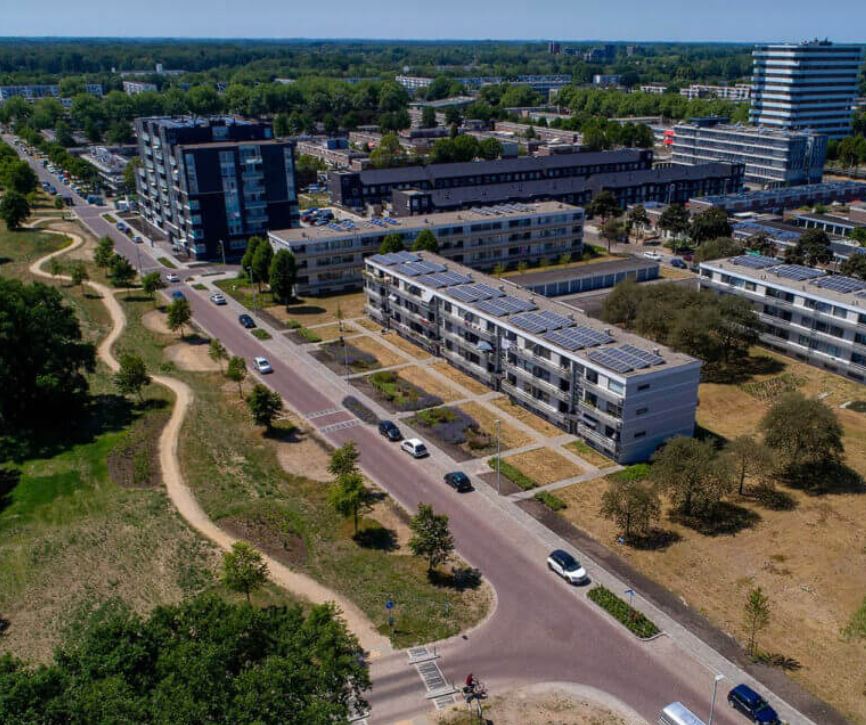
[
  {"x": 593, "y": 269},
  {"x": 349, "y": 228},
  {"x": 192, "y": 146},
  {"x": 784, "y": 192},
  {"x": 599, "y": 345},
  {"x": 832, "y": 219}
]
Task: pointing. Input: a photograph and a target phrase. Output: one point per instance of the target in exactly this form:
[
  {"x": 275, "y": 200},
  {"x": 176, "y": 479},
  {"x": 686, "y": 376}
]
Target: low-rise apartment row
[
  {"x": 816, "y": 317},
  {"x": 331, "y": 258},
  {"x": 620, "y": 393}
]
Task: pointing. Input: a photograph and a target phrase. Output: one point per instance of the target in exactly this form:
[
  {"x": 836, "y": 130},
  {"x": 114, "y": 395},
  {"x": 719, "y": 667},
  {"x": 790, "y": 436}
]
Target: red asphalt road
[{"x": 542, "y": 629}]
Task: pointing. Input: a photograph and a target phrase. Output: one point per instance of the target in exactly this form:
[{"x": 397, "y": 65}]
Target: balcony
[
  {"x": 599, "y": 414},
  {"x": 609, "y": 445},
  {"x": 544, "y": 408},
  {"x": 531, "y": 358},
  {"x": 540, "y": 383},
  {"x": 479, "y": 371}
]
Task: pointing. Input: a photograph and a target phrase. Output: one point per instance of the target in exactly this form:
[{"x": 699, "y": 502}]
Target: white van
[
  {"x": 414, "y": 447},
  {"x": 678, "y": 714}
]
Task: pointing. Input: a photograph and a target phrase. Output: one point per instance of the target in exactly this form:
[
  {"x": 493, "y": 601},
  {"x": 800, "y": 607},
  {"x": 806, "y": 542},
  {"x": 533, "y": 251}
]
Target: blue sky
[{"x": 723, "y": 20}]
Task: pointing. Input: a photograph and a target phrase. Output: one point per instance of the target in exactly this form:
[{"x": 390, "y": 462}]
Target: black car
[
  {"x": 752, "y": 705},
  {"x": 679, "y": 263},
  {"x": 247, "y": 321},
  {"x": 388, "y": 429},
  {"x": 459, "y": 481}
]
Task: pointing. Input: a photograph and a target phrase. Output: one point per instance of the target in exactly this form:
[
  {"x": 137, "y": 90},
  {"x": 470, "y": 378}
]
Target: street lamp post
[
  {"x": 222, "y": 249},
  {"x": 716, "y": 680},
  {"x": 498, "y": 477}
]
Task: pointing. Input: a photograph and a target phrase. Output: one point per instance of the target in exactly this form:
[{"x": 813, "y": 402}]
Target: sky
[{"x": 679, "y": 20}]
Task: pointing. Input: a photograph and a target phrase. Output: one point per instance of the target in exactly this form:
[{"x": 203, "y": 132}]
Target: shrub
[
  {"x": 554, "y": 503},
  {"x": 637, "y": 472},
  {"x": 634, "y": 620},
  {"x": 261, "y": 334},
  {"x": 308, "y": 335},
  {"x": 293, "y": 324},
  {"x": 517, "y": 477}
]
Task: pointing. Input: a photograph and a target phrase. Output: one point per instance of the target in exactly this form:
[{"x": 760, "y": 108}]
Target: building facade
[
  {"x": 621, "y": 394},
  {"x": 777, "y": 200},
  {"x": 738, "y": 92},
  {"x": 133, "y": 88},
  {"x": 772, "y": 157},
  {"x": 808, "y": 314},
  {"x": 331, "y": 258},
  {"x": 209, "y": 184},
  {"x": 811, "y": 85}
]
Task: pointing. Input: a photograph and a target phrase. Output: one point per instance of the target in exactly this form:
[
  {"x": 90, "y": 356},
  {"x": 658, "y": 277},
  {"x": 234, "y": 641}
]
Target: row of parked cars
[{"x": 742, "y": 698}]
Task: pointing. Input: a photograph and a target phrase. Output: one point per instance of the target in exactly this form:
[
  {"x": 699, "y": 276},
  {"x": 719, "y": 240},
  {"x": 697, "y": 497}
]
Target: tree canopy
[
  {"x": 803, "y": 432},
  {"x": 283, "y": 274}
]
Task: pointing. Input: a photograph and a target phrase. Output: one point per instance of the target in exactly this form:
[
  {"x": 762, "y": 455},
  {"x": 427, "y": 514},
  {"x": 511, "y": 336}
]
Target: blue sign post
[{"x": 389, "y": 606}]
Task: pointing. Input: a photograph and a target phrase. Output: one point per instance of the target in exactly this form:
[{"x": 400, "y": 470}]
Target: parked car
[
  {"x": 459, "y": 481},
  {"x": 562, "y": 563},
  {"x": 679, "y": 263},
  {"x": 655, "y": 256},
  {"x": 678, "y": 714},
  {"x": 178, "y": 295},
  {"x": 171, "y": 278},
  {"x": 414, "y": 447},
  {"x": 120, "y": 226},
  {"x": 136, "y": 238},
  {"x": 218, "y": 299},
  {"x": 688, "y": 256},
  {"x": 262, "y": 365},
  {"x": 752, "y": 705},
  {"x": 246, "y": 321},
  {"x": 389, "y": 429}
]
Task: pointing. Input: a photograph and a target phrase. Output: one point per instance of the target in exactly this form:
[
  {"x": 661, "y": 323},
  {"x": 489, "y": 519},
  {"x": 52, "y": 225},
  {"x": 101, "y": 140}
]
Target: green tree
[
  {"x": 78, "y": 273},
  {"x": 633, "y": 505},
  {"x": 693, "y": 475},
  {"x": 264, "y": 404},
  {"x": 854, "y": 266},
  {"x": 426, "y": 242},
  {"x": 18, "y": 176},
  {"x": 428, "y": 117},
  {"x": 131, "y": 377},
  {"x": 43, "y": 356},
  {"x": 717, "y": 249},
  {"x": 344, "y": 460},
  {"x": 622, "y": 305},
  {"x": 282, "y": 276},
  {"x": 250, "y": 253},
  {"x": 749, "y": 459},
  {"x": 262, "y": 258},
  {"x": 638, "y": 218},
  {"x": 178, "y": 314},
  {"x": 151, "y": 283},
  {"x": 104, "y": 252},
  {"x": 431, "y": 538},
  {"x": 710, "y": 224},
  {"x": 756, "y": 616},
  {"x": 612, "y": 230},
  {"x": 120, "y": 272},
  {"x": 604, "y": 205},
  {"x": 813, "y": 247},
  {"x": 217, "y": 352},
  {"x": 858, "y": 234},
  {"x": 391, "y": 243},
  {"x": 14, "y": 209},
  {"x": 674, "y": 220},
  {"x": 490, "y": 149},
  {"x": 237, "y": 372},
  {"x": 244, "y": 570},
  {"x": 803, "y": 432},
  {"x": 349, "y": 496},
  {"x": 388, "y": 153}
]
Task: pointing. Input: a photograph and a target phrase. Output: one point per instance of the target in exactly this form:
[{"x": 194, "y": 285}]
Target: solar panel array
[
  {"x": 797, "y": 272},
  {"x": 505, "y": 305},
  {"x": 754, "y": 262},
  {"x": 537, "y": 322},
  {"x": 443, "y": 279},
  {"x": 474, "y": 292},
  {"x": 840, "y": 283},
  {"x": 625, "y": 358},
  {"x": 392, "y": 258},
  {"x": 417, "y": 269},
  {"x": 578, "y": 338}
]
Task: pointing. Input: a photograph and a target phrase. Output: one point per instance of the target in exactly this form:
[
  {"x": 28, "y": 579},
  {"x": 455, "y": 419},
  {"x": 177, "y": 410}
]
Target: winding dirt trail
[{"x": 180, "y": 494}]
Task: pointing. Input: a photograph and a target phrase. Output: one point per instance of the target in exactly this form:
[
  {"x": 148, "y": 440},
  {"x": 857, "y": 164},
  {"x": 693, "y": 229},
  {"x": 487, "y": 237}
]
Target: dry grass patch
[
  {"x": 509, "y": 436},
  {"x": 544, "y": 466},
  {"x": 668, "y": 272},
  {"x": 589, "y": 454},
  {"x": 319, "y": 310},
  {"x": 306, "y": 456},
  {"x": 419, "y": 377},
  {"x": 368, "y": 324},
  {"x": 384, "y": 356},
  {"x": 331, "y": 331},
  {"x": 526, "y": 417},
  {"x": 408, "y": 347},
  {"x": 191, "y": 357},
  {"x": 452, "y": 373}
]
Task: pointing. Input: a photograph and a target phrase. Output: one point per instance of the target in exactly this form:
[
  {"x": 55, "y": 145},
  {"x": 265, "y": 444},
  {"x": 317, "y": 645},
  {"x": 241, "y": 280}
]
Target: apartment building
[
  {"x": 37, "y": 92},
  {"x": 777, "y": 200},
  {"x": 811, "y": 85},
  {"x": 772, "y": 157},
  {"x": 816, "y": 317},
  {"x": 738, "y": 92},
  {"x": 133, "y": 88},
  {"x": 331, "y": 258},
  {"x": 837, "y": 224},
  {"x": 620, "y": 393},
  {"x": 654, "y": 88},
  {"x": 209, "y": 184}
]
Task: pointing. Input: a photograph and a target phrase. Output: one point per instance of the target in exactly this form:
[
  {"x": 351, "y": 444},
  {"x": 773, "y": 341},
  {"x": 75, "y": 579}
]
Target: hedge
[
  {"x": 634, "y": 620},
  {"x": 517, "y": 477},
  {"x": 553, "y": 502}
]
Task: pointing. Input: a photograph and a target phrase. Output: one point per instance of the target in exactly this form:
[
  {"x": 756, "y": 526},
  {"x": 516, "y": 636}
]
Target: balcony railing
[
  {"x": 599, "y": 413},
  {"x": 609, "y": 445},
  {"x": 545, "y": 385},
  {"x": 538, "y": 403},
  {"x": 532, "y": 359}
]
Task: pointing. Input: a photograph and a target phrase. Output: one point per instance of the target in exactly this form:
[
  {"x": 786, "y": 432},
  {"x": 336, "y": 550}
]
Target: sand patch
[
  {"x": 155, "y": 322},
  {"x": 192, "y": 357},
  {"x": 307, "y": 457},
  {"x": 388, "y": 513}
]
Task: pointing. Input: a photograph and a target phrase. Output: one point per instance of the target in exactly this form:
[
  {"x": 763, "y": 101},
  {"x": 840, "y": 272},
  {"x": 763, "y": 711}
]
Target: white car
[
  {"x": 171, "y": 277},
  {"x": 562, "y": 563},
  {"x": 262, "y": 365},
  {"x": 414, "y": 447},
  {"x": 655, "y": 256},
  {"x": 218, "y": 299}
]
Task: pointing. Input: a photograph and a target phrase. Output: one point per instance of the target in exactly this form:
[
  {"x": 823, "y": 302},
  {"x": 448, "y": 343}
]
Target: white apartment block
[
  {"x": 737, "y": 92},
  {"x": 621, "y": 394}
]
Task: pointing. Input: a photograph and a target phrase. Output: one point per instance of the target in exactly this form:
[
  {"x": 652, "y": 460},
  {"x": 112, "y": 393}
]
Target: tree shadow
[
  {"x": 741, "y": 370},
  {"x": 824, "y": 479},
  {"x": 137, "y": 298},
  {"x": 194, "y": 338},
  {"x": 152, "y": 404},
  {"x": 775, "y": 659},
  {"x": 724, "y": 519},
  {"x": 773, "y": 498},
  {"x": 5, "y": 260},
  {"x": 705, "y": 434},
  {"x": 460, "y": 578},
  {"x": 376, "y": 536},
  {"x": 653, "y": 540},
  {"x": 9, "y": 479},
  {"x": 305, "y": 309},
  {"x": 92, "y": 296},
  {"x": 284, "y": 432}
]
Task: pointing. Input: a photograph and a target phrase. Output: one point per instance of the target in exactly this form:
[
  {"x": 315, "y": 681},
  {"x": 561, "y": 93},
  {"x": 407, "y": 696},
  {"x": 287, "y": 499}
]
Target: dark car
[
  {"x": 688, "y": 256},
  {"x": 178, "y": 295},
  {"x": 459, "y": 481},
  {"x": 247, "y": 321},
  {"x": 752, "y": 705},
  {"x": 388, "y": 429},
  {"x": 679, "y": 263}
]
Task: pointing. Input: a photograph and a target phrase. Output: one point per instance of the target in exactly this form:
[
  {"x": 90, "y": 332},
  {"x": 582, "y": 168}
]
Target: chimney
[{"x": 656, "y": 350}]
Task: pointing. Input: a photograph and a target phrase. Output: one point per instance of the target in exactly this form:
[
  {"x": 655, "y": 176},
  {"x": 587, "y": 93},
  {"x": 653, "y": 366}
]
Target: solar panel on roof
[
  {"x": 625, "y": 358},
  {"x": 474, "y": 292},
  {"x": 392, "y": 258},
  {"x": 754, "y": 262},
  {"x": 840, "y": 283},
  {"x": 578, "y": 338},
  {"x": 606, "y": 358},
  {"x": 650, "y": 358},
  {"x": 416, "y": 269},
  {"x": 796, "y": 272},
  {"x": 443, "y": 279},
  {"x": 504, "y": 305},
  {"x": 538, "y": 322}
]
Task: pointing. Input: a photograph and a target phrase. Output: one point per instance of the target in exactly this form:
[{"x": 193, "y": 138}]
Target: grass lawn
[
  {"x": 18, "y": 250},
  {"x": 544, "y": 466},
  {"x": 509, "y": 436},
  {"x": 589, "y": 454},
  {"x": 408, "y": 347},
  {"x": 452, "y": 373},
  {"x": 384, "y": 356},
  {"x": 419, "y": 377},
  {"x": 527, "y": 418}
]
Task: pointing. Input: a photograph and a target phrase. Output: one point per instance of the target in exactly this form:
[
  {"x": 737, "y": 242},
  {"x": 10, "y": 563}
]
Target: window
[
  {"x": 640, "y": 434},
  {"x": 642, "y": 411},
  {"x": 615, "y": 387},
  {"x": 643, "y": 386}
]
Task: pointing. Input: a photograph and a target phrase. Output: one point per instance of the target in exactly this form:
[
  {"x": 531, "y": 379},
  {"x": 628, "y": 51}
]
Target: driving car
[
  {"x": 262, "y": 365},
  {"x": 655, "y": 256},
  {"x": 679, "y": 263},
  {"x": 414, "y": 447},
  {"x": 136, "y": 238},
  {"x": 246, "y": 321},
  {"x": 459, "y": 481},
  {"x": 218, "y": 299},
  {"x": 562, "y": 563},
  {"x": 178, "y": 295},
  {"x": 172, "y": 277},
  {"x": 389, "y": 429},
  {"x": 744, "y": 699}
]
